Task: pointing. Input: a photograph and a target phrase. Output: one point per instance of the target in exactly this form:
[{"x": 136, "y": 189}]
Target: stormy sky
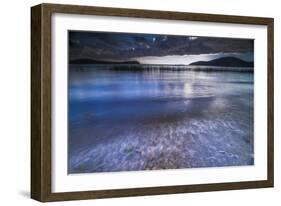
[{"x": 155, "y": 48}]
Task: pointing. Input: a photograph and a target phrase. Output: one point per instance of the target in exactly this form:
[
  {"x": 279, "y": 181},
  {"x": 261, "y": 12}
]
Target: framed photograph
[{"x": 132, "y": 102}]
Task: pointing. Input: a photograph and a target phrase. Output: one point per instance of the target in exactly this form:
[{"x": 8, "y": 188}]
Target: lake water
[{"x": 122, "y": 120}]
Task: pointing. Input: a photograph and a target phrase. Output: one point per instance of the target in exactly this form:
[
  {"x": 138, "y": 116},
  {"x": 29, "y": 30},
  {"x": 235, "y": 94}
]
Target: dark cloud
[{"x": 123, "y": 46}]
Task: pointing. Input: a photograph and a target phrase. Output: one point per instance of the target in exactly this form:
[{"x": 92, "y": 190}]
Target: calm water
[{"x": 139, "y": 120}]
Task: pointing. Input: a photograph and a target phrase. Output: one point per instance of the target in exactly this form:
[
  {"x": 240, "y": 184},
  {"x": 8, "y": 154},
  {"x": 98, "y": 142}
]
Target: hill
[
  {"x": 225, "y": 62},
  {"x": 92, "y": 61}
]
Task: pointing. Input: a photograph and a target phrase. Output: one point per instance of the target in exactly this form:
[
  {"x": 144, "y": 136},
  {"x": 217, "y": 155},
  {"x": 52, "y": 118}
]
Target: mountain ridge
[
  {"x": 224, "y": 61},
  {"x": 92, "y": 61}
]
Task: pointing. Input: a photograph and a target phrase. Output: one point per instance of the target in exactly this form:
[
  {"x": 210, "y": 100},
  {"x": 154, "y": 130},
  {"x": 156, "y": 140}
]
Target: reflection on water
[{"x": 138, "y": 120}]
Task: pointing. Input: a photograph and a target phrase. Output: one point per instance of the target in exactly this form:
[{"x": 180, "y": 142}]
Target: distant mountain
[
  {"x": 225, "y": 62},
  {"x": 92, "y": 61}
]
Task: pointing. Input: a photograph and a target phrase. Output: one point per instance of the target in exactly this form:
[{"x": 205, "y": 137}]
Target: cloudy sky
[{"x": 154, "y": 48}]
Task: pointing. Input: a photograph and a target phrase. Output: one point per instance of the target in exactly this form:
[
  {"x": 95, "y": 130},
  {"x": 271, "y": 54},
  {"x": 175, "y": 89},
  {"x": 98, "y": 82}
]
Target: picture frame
[{"x": 42, "y": 125}]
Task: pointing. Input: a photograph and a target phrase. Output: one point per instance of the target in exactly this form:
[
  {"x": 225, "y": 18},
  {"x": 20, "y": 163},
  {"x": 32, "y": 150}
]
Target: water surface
[{"x": 124, "y": 120}]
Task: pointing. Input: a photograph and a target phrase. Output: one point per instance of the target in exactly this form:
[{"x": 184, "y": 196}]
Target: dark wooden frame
[{"x": 41, "y": 101}]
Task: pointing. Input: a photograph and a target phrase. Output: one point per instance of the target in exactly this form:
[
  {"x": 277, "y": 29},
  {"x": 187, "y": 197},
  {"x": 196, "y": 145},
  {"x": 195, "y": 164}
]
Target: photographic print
[
  {"x": 154, "y": 101},
  {"x": 131, "y": 102}
]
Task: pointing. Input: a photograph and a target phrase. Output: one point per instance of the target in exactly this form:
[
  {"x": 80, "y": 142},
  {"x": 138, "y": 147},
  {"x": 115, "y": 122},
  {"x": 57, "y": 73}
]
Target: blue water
[{"x": 158, "y": 119}]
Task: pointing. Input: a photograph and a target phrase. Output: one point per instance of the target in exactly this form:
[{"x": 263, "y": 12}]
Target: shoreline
[{"x": 159, "y": 67}]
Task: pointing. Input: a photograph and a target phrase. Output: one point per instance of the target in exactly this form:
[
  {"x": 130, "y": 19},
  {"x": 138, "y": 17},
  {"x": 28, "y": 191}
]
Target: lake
[{"x": 130, "y": 120}]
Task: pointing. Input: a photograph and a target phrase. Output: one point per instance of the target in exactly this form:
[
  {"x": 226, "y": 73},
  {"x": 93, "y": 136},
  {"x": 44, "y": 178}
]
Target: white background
[{"x": 15, "y": 102}]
